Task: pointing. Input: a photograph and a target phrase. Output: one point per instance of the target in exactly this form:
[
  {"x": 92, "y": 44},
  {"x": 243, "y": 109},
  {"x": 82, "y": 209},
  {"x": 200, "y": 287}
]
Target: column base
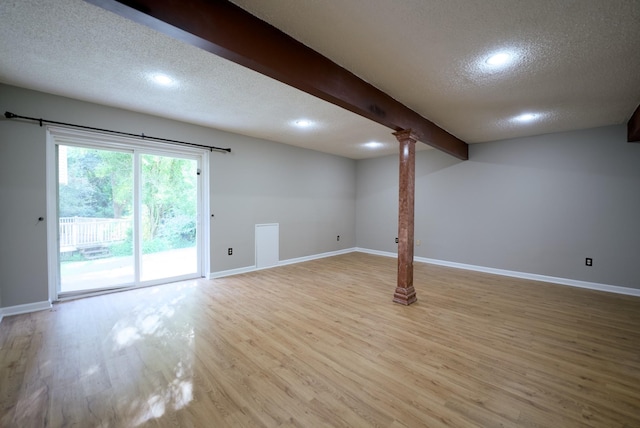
[{"x": 405, "y": 296}]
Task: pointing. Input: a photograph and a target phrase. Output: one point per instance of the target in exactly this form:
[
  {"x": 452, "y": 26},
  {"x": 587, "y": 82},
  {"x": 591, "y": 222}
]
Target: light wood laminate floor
[{"x": 321, "y": 344}]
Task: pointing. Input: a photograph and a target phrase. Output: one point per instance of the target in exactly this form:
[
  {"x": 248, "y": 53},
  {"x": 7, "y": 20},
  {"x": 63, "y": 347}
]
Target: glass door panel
[
  {"x": 169, "y": 214},
  {"x": 95, "y": 218}
]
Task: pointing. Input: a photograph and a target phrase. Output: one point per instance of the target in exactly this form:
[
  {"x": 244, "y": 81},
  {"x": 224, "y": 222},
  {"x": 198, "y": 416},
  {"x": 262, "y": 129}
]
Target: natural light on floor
[{"x": 150, "y": 324}]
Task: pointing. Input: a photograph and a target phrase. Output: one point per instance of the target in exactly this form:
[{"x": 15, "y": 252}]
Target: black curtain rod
[{"x": 10, "y": 115}]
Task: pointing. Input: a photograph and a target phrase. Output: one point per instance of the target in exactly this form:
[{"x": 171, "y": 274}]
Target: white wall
[
  {"x": 23, "y": 257},
  {"x": 536, "y": 205},
  {"x": 311, "y": 194}
]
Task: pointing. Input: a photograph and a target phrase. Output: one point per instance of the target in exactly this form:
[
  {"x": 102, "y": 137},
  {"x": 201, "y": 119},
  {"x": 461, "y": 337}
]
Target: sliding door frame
[{"x": 137, "y": 146}]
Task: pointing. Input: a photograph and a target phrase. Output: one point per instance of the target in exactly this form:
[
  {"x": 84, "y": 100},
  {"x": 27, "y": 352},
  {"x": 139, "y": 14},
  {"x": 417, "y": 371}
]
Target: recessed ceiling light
[
  {"x": 373, "y": 145},
  {"x": 498, "y": 59},
  {"x": 526, "y": 117},
  {"x": 303, "y": 123},
  {"x": 162, "y": 79}
]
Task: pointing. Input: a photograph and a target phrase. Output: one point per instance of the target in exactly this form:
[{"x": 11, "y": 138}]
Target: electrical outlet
[
  {"x": 396, "y": 240},
  {"x": 588, "y": 261},
  {"x": 418, "y": 242},
  {"x": 230, "y": 252},
  {"x": 338, "y": 237}
]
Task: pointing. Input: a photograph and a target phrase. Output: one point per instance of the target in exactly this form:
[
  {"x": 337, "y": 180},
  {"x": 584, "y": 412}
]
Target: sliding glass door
[
  {"x": 169, "y": 206},
  {"x": 125, "y": 216},
  {"x": 95, "y": 218}
]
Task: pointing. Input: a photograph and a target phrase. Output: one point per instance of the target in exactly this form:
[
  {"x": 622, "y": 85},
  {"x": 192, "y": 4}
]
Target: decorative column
[{"x": 405, "y": 293}]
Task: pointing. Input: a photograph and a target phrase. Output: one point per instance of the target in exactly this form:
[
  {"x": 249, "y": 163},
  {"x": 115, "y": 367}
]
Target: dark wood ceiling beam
[
  {"x": 633, "y": 127},
  {"x": 228, "y": 31}
]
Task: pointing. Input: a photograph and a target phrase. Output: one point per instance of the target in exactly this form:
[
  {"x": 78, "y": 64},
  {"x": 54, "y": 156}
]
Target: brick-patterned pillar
[{"x": 405, "y": 293}]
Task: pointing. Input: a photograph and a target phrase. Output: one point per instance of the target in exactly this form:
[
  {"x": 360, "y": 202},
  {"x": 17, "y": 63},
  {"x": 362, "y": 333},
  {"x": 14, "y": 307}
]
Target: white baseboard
[
  {"x": 377, "y": 252},
  {"x": 230, "y": 272},
  {"x": 23, "y": 309},
  {"x": 315, "y": 256},
  {"x": 515, "y": 274},
  {"x": 223, "y": 273}
]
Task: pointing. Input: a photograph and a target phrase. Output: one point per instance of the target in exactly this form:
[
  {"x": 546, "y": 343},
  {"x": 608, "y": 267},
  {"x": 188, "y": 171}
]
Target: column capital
[{"x": 405, "y": 134}]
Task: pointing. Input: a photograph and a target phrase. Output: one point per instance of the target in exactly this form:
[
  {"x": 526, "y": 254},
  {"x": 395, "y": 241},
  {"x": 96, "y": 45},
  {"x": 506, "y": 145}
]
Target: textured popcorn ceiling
[{"x": 576, "y": 64}]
